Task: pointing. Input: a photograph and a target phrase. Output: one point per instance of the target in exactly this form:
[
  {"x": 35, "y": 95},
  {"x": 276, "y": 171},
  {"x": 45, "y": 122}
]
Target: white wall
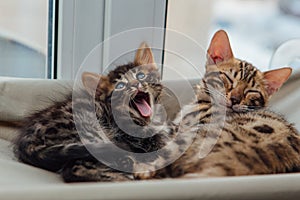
[{"x": 193, "y": 19}]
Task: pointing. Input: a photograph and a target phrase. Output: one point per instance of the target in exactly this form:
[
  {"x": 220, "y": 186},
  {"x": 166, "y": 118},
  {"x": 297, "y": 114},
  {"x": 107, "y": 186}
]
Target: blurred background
[
  {"x": 23, "y": 38},
  {"x": 256, "y": 29}
]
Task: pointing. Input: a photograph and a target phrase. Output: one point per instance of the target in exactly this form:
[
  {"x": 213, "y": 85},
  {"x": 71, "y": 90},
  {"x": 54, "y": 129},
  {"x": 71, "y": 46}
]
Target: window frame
[{"x": 68, "y": 36}]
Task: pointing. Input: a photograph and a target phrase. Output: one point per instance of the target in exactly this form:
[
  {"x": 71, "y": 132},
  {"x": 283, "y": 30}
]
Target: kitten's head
[
  {"x": 244, "y": 86},
  {"x": 130, "y": 89}
]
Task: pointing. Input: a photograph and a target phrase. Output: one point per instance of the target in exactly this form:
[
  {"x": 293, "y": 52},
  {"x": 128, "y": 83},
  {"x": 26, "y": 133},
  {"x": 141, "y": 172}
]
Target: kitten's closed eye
[
  {"x": 256, "y": 101},
  {"x": 251, "y": 91},
  {"x": 228, "y": 83}
]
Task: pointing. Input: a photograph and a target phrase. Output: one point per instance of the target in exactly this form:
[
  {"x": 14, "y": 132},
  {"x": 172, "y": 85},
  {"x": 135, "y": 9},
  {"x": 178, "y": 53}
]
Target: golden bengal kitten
[{"x": 228, "y": 131}]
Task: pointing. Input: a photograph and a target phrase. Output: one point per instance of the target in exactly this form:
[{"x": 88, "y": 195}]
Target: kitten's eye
[
  {"x": 140, "y": 76},
  {"x": 120, "y": 85},
  {"x": 227, "y": 81},
  {"x": 255, "y": 98},
  {"x": 250, "y": 92}
]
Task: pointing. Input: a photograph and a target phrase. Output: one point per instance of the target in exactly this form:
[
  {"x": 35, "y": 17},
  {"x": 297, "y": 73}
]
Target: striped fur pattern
[
  {"x": 242, "y": 85},
  {"x": 249, "y": 140},
  {"x": 50, "y": 140}
]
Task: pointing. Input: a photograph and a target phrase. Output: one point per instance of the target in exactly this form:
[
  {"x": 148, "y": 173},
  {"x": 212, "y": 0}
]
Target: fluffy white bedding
[{"x": 19, "y": 97}]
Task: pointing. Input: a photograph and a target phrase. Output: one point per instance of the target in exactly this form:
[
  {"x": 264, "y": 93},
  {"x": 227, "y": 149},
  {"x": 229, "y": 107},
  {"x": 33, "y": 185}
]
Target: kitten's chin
[
  {"x": 239, "y": 108},
  {"x": 243, "y": 108}
]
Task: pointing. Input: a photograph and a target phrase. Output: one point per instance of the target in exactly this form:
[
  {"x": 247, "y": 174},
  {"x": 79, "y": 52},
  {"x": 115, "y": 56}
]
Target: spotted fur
[
  {"x": 228, "y": 131},
  {"x": 50, "y": 139}
]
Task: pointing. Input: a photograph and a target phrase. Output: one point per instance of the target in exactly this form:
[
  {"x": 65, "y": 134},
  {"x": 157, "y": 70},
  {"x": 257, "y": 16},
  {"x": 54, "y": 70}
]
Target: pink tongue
[{"x": 144, "y": 108}]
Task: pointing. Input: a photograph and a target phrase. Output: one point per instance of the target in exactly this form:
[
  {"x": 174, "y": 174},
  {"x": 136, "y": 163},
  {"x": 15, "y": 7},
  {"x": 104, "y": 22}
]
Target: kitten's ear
[
  {"x": 90, "y": 82},
  {"x": 144, "y": 55},
  {"x": 219, "y": 49},
  {"x": 275, "y": 78}
]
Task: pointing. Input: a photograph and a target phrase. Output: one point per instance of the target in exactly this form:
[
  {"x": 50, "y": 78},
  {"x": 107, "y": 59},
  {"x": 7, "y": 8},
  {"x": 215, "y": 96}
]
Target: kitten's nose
[
  {"x": 235, "y": 99},
  {"x": 236, "y": 95},
  {"x": 136, "y": 84}
]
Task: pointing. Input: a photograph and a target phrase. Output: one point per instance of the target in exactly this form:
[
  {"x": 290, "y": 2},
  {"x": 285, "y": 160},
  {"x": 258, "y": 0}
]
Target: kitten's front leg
[
  {"x": 165, "y": 149},
  {"x": 91, "y": 170},
  {"x": 146, "y": 167}
]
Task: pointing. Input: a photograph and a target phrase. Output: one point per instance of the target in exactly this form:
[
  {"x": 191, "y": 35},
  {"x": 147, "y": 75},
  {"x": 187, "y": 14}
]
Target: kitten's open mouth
[{"x": 141, "y": 103}]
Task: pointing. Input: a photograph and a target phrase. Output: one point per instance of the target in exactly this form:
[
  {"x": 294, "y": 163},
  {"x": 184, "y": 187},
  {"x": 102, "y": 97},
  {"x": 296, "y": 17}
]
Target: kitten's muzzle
[
  {"x": 235, "y": 98},
  {"x": 137, "y": 85}
]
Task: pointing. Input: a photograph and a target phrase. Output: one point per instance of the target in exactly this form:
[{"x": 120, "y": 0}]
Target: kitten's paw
[
  {"x": 143, "y": 175},
  {"x": 194, "y": 175},
  {"x": 126, "y": 163},
  {"x": 144, "y": 171}
]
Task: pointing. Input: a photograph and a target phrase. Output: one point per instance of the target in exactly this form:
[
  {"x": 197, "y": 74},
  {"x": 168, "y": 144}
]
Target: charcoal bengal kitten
[
  {"x": 49, "y": 139},
  {"x": 249, "y": 139}
]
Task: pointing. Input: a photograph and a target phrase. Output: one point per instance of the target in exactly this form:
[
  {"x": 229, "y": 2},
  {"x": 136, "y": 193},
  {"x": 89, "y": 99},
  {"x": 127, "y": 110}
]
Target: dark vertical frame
[
  {"x": 164, "y": 39},
  {"x": 51, "y": 66}
]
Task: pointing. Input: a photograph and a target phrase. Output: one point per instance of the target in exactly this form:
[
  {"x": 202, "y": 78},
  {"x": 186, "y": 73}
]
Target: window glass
[
  {"x": 257, "y": 28},
  {"x": 23, "y": 38}
]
